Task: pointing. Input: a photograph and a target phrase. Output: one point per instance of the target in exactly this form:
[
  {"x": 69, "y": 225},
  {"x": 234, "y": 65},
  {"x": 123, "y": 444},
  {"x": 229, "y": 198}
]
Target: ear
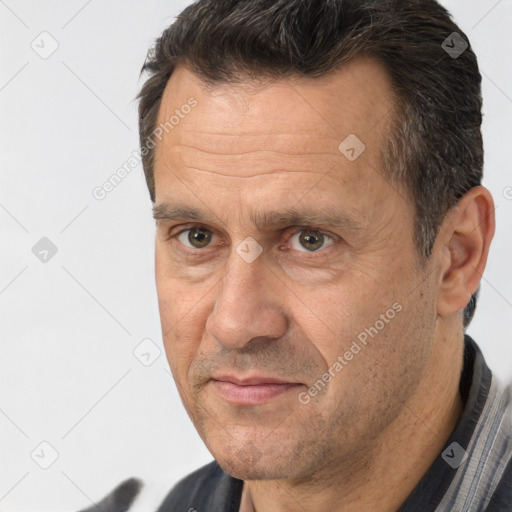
[{"x": 466, "y": 234}]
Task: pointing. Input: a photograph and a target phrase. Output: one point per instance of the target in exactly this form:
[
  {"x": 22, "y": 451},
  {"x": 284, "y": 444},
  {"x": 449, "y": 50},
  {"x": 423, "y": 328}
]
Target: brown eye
[
  {"x": 197, "y": 237},
  {"x": 310, "y": 240}
]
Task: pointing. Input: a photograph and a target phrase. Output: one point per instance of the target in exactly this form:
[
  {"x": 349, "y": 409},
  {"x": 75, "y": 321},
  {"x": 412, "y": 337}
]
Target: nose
[{"x": 246, "y": 307}]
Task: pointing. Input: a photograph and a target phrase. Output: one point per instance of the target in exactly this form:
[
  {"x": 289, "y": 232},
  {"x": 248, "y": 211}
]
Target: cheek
[
  {"x": 363, "y": 328},
  {"x": 177, "y": 299},
  {"x": 341, "y": 311},
  {"x": 180, "y": 351},
  {"x": 183, "y": 314},
  {"x": 177, "y": 336}
]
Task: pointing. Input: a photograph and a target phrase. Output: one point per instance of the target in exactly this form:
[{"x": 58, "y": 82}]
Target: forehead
[
  {"x": 354, "y": 97},
  {"x": 290, "y": 130}
]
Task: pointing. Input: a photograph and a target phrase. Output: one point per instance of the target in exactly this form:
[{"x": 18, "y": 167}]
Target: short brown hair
[{"x": 435, "y": 145}]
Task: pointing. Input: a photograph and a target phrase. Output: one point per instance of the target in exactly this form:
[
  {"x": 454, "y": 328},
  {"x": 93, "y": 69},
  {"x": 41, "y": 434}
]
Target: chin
[
  {"x": 246, "y": 471},
  {"x": 249, "y": 463}
]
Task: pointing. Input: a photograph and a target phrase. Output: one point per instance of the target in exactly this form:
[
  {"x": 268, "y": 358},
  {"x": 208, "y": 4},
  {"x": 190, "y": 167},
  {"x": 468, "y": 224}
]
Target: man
[{"x": 315, "y": 171}]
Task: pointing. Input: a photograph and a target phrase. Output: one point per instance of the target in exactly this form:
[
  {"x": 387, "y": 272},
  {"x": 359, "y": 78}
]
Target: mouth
[{"x": 253, "y": 390}]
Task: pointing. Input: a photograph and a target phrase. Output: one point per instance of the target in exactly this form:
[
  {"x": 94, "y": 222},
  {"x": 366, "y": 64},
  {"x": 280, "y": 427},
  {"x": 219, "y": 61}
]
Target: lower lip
[{"x": 251, "y": 394}]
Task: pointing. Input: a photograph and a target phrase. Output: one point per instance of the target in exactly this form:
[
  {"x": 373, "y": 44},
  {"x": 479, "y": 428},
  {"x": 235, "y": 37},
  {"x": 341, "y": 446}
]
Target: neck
[{"x": 397, "y": 460}]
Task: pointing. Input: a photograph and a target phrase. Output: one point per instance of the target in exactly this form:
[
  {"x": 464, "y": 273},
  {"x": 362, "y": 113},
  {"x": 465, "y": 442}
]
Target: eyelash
[{"x": 312, "y": 254}]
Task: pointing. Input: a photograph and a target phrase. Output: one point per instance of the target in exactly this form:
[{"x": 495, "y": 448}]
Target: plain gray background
[{"x": 72, "y": 320}]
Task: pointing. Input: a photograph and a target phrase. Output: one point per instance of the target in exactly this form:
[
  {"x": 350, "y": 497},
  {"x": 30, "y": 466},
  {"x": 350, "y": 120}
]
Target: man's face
[{"x": 294, "y": 348}]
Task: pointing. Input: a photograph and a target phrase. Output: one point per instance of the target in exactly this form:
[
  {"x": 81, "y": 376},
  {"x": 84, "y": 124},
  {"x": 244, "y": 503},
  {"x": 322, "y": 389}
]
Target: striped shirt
[{"x": 472, "y": 473}]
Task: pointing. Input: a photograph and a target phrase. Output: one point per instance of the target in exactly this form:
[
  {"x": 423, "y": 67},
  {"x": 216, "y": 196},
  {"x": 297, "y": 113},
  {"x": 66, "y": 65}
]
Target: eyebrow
[{"x": 320, "y": 216}]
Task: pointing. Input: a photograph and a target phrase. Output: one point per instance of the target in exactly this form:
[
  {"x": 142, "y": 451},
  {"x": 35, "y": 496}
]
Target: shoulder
[{"x": 501, "y": 499}]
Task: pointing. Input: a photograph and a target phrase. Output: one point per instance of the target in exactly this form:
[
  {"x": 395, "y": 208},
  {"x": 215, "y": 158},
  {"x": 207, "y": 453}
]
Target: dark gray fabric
[{"x": 501, "y": 500}]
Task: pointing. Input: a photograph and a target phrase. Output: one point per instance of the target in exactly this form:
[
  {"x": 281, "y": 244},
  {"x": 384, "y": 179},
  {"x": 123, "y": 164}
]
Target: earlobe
[{"x": 466, "y": 235}]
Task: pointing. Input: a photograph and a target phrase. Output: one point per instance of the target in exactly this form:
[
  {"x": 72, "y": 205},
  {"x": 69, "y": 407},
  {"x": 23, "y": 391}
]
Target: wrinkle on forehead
[
  {"x": 247, "y": 176},
  {"x": 291, "y": 144},
  {"x": 250, "y": 155},
  {"x": 250, "y": 163}
]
